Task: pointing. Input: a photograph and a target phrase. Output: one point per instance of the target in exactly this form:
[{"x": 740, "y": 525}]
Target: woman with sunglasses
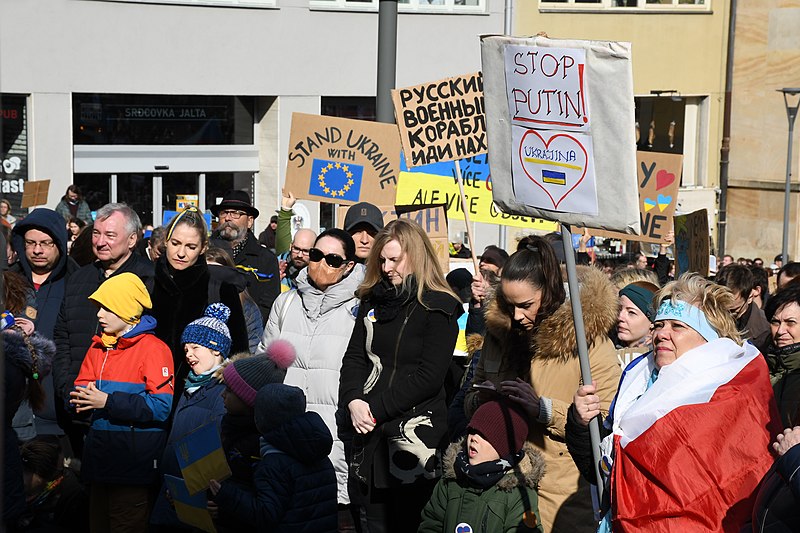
[
  {"x": 317, "y": 318},
  {"x": 393, "y": 374},
  {"x": 184, "y": 287}
]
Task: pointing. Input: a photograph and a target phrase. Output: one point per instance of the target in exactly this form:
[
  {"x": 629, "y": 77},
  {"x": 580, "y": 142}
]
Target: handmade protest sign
[
  {"x": 441, "y": 120},
  {"x": 201, "y": 458},
  {"x": 692, "y": 243},
  {"x": 432, "y": 219},
  {"x": 35, "y": 193},
  {"x": 659, "y": 177},
  {"x": 560, "y": 130},
  {"x": 342, "y": 161},
  {"x": 437, "y": 183}
]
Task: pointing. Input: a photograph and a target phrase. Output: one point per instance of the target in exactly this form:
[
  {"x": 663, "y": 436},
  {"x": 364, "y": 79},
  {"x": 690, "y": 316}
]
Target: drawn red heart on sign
[
  {"x": 664, "y": 179},
  {"x": 557, "y": 165}
]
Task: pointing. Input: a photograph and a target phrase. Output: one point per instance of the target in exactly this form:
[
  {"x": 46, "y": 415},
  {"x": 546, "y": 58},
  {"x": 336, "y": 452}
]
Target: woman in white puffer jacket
[{"x": 318, "y": 318}]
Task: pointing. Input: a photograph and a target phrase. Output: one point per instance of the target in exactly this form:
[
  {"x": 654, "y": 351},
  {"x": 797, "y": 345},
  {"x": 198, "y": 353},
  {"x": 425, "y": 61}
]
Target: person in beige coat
[{"x": 530, "y": 355}]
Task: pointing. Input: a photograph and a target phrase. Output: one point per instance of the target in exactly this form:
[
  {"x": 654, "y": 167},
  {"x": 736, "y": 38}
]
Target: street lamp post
[{"x": 791, "y": 113}]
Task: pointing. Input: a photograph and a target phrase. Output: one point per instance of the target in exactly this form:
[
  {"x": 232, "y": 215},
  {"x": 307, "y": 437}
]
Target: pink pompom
[{"x": 282, "y": 353}]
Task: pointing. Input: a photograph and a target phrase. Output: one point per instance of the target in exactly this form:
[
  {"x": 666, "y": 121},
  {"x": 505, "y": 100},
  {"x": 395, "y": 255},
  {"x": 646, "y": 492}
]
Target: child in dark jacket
[
  {"x": 126, "y": 382},
  {"x": 490, "y": 477},
  {"x": 243, "y": 375},
  {"x": 207, "y": 343},
  {"x": 295, "y": 481}
]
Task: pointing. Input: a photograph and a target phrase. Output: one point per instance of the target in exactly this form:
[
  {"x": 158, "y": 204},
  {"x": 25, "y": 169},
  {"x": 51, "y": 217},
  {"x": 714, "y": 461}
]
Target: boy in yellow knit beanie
[{"x": 125, "y": 382}]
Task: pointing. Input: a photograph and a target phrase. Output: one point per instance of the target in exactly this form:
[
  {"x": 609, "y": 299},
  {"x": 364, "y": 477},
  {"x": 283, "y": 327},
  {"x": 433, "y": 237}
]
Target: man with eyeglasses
[
  {"x": 236, "y": 217},
  {"x": 296, "y": 259},
  {"x": 40, "y": 240},
  {"x": 742, "y": 283}
]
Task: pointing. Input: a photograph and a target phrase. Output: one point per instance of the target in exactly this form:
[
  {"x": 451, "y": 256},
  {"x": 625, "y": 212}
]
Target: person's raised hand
[{"x": 287, "y": 200}]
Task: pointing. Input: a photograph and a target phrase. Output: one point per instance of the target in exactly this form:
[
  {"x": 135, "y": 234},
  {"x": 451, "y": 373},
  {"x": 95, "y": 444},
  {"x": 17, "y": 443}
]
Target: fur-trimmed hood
[
  {"x": 555, "y": 337},
  {"x": 530, "y": 469}
]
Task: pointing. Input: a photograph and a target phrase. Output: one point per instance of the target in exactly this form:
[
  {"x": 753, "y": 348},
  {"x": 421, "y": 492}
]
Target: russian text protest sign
[
  {"x": 659, "y": 177},
  {"x": 437, "y": 183},
  {"x": 342, "y": 161},
  {"x": 442, "y": 120},
  {"x": 560, "y": 130}
]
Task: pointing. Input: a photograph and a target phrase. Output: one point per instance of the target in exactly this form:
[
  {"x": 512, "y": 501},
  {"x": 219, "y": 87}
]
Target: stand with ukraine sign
[
  {"x": 342, "y": 161},
  {"x": 561, "y": 138}
]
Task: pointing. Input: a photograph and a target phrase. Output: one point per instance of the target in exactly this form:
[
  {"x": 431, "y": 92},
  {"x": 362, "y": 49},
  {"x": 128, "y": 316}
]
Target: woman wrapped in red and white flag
[{"x": 688, "y": 435}]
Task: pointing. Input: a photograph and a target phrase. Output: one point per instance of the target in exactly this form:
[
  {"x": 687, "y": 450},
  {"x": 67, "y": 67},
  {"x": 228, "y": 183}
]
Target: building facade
[
  {"x": 766, "y": 58},
  {"x": 149, "y": 102},
  {"x": 679, "y": 55}
]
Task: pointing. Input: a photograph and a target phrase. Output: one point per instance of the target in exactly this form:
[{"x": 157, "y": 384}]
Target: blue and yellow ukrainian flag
[
  {"x": 201, "y": 458},
  {"x": 554, "y": 177},
  {"x": 191, "y": 510},
  {"x": 332, "y": 179}
]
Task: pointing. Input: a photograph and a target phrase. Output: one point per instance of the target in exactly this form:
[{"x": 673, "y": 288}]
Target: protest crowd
[{"x": 199, "y": 380}]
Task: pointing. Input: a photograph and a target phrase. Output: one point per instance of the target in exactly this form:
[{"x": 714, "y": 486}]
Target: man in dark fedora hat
[{"x": 236, "y": 215}]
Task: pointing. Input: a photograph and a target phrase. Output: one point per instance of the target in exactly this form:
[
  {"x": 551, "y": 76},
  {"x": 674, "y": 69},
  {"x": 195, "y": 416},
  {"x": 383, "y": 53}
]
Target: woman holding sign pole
[{"x": 529, "y": 354}]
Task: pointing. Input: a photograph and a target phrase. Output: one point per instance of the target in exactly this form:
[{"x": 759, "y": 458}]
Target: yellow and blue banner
[
  {"x": 201, "y": 458},
  {"x": 437, "y": 184},
  {"x": 192, "y": 510},
  {"x": 333, "y": 179}
]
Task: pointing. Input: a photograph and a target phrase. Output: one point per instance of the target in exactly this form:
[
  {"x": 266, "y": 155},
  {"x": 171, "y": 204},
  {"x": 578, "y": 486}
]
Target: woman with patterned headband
[{"x": 687, "y": 437}]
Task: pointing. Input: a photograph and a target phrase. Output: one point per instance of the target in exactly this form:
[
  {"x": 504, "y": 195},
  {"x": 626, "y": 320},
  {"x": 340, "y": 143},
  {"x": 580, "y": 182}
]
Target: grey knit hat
[
  {"x": 210, "y": 330},
  {"x": 276, "y": 404}
]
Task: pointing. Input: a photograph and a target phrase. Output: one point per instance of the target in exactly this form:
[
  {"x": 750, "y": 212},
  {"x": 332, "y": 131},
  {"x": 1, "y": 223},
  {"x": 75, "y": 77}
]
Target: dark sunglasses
[{"x": 315, "y": 255}]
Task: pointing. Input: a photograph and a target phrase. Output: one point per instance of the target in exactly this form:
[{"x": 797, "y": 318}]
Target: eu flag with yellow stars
[{"x": 339, "y": 181}]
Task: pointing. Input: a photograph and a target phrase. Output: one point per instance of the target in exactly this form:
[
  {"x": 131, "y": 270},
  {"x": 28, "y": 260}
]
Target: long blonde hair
[{"x": 419, "y": 253}]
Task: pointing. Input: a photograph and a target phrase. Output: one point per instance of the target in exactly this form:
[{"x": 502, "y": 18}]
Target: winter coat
[
  {"x": 499, "y": 509},
  {"x": 784, "y": 373},
  {"x": 204, "y": 406},
  {"x": 319, "y": 325},
  {"x": 18, "y": 369},
  {"x": 549, "y": 361},
  {"x": 398, "y": 367},
  {"x": 295, "y": 482},
  {"x": 84, "y": 212},
  {"x": 181, "y": 296},
  {"x": 48, "y": 297},
  {"x": 77, "y": 318},
  {"x": 777, "y": 508},
  {"x": 127, "y": 436},
  {"x": 252, "y": 314},
  {"x": 266, "y": 286}
]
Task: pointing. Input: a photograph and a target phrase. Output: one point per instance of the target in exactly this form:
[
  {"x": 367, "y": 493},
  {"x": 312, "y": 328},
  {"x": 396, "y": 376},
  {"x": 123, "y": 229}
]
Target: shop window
[
  {"x": 210, "y": 3},
  {"x": 14, "y": 156},
  {"x": 408, "y": 6},
  {"x": 616, "y": 5},
  {"x": 137, "y": 119}
]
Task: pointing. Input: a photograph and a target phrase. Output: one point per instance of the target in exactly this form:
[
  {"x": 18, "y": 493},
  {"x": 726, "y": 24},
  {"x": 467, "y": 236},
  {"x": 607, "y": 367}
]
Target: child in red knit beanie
[{"x": 489, "y": 477}]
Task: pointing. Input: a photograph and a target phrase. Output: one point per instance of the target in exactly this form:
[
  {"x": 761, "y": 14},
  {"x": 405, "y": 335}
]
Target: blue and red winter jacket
[{"x": 127, "y": 436}]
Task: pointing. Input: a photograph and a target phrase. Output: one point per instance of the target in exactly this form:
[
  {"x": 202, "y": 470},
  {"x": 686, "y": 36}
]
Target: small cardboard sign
[
  {"x": 437, "y": 184},
  {"x": 342, "y": 161},
  {"x": 692, "y": 243},
  {"x": 35, "y": 193},
  {"x": 442, "y": 120},
  {"x": 659, "y": 178},
  {"x": 432, "y": 219}
]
